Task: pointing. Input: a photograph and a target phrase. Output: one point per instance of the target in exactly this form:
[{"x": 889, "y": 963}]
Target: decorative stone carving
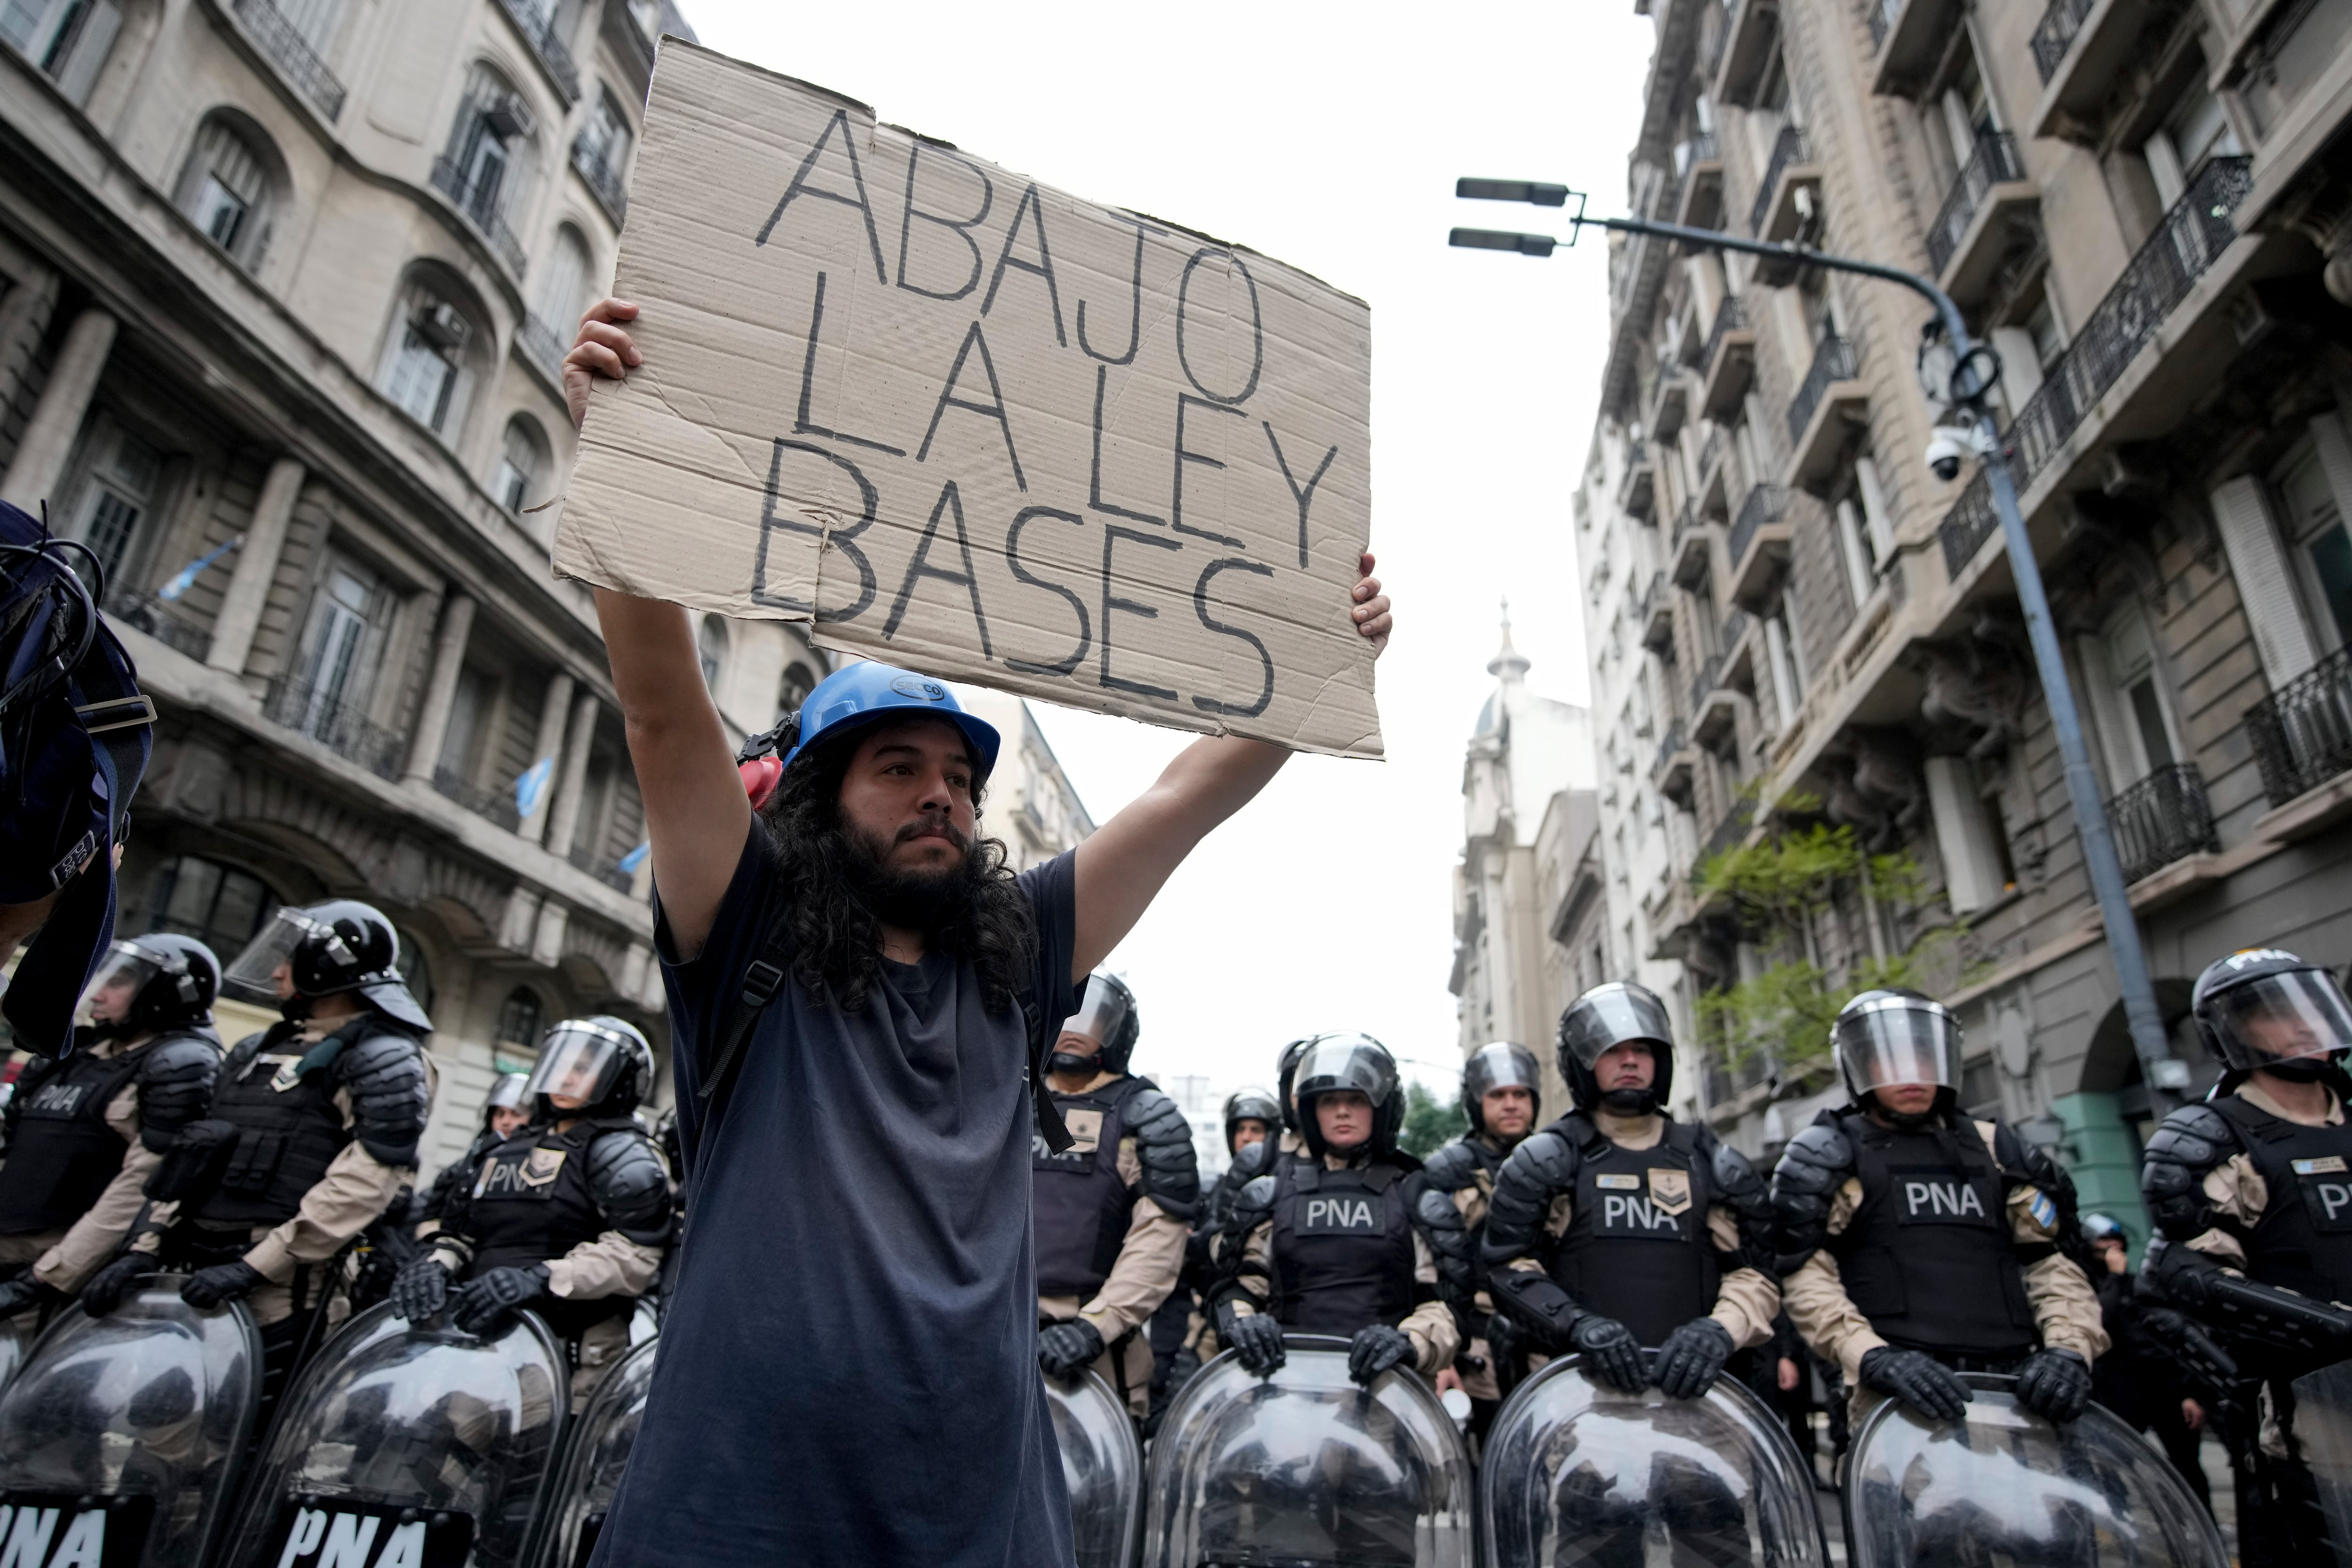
[
  {"x": 1977, "y": 683},
  {"x": 1874, "y": 787}
]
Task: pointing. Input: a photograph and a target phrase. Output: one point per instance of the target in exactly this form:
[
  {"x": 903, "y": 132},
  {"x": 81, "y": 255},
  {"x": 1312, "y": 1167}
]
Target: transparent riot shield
[
  {"x": 573, "y": 1514},
  {"x": 408, "y": 1443},
  {"x": 1303, "y": 1470},
  {"x": 2323, "y": 1429},
  {"x": 15, "y": 1340},
  {"x": 1102, "y": 1467},
  {"x": 2007, "y": 1487},
  {"x": 122, "y": 1436},
  {"x": 1577, "y": 1475}
]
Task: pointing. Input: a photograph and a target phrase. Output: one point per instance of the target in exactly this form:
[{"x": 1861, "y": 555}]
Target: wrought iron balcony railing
[
  {"x": 292, "y": 54},
  {"x": 603, "y": 868},
  {"x": 1765, "y": 503},
  {"x": 146, "y": 613},
  {"x": 1833, "y": 361},
  {"x": 1788, "y": 151},
  {"x": 1709, "y": 675},
  {"x": 544, "y": 347},
  {"x": 1700, "y": 148},
  {"x": 1729, "y": 316},
  {"x": 2162, "y": 818},
  {"x": 1710, "y": 452},
  {"x": 2303, "y": 731},
  {"x": 1731, "y": 831},
  {"x": 479, "y": 200},
  {"x": 1667, "y": 747},
  {"x": 496, "y": 805},
  {"x": 2054, "y": 34},
  {"x": 323, "y": 714},
  {"x": 602, "y": 179},
  {"x": 1994, "y": 161},
  {"x": 536, "y": 23}
]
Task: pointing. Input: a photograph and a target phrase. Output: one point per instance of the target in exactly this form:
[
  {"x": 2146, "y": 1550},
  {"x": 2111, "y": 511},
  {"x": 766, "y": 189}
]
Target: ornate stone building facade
[{"x": 2148, "y": 210}]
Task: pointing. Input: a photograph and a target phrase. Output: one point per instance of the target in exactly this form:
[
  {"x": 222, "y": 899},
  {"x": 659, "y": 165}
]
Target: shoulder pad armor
[
  {"x": 1814, "y": 1166},
  {"x": 175, "y": 1079},
  {"x": 626, "y": 1179},
  {"x": 2193, "y": 1140},
  {"x": 1253, "y": 1206},
  {"x": 1453, "y": 1167},
  {"x": 1163, "y": 1146},
  {"x": 1451, "y": 1244},
  {"x": 1538, "y": 1170},
  {"x": 384, "y": 1071}
]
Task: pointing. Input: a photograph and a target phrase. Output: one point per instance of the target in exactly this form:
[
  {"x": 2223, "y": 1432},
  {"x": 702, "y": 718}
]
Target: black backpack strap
[{"x": 1050, "y": 1126}]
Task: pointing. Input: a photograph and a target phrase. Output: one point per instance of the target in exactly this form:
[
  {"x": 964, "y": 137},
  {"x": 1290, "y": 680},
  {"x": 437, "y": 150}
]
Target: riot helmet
[
  {"x": 1505, "y": 1064},
  {"x": 1250, "y": 1105},
  {"x": 602, "y": 1064},
  {"x": 2262, "y": 1008},
  {"x": 337, "y": 946},
  {"x": 511, "y": 1092},
  {"x": 149, "y": 984},
  {"x": 2099, "y": 1228},
  {"x": 1616, "y": 1012},
  {"x": 1285, "y": 1074},
  {"x": 1339, "y": 1063},
  {"x": 1886, "y": 1039},
  {"x": 1105, "y": 1019}
]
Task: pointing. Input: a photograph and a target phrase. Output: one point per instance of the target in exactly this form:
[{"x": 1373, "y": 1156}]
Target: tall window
[
  {"x": 225, "y": 190},
  {"x": 218, "y": 905},
  {"x": 711, "y": 643},
  {"x": 2317, "y": 541},
  {"x": 562, "y": 280},
  {"x": 522, "y": 464},
  {"x": 2196, "y": 131},
  {"x": 489, "y": 147},
  {"x": 518, "y": 1019},
  {"x": 2128, "y": 699},
  {"x": 67, "y": 39},
  {"x": 605, "y": 139},
  {"x": 425, "y": 360},
  {"x": 125, "y": 475},
  {"x": 339, "y": 643}
]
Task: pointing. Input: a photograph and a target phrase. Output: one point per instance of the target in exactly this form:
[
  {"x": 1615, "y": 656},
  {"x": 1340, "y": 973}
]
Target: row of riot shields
[{"x": 127, "y": 1442}]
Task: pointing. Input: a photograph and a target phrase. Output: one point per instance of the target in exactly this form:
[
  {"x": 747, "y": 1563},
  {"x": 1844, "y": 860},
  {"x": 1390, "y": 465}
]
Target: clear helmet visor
[
  {"x": 1897, "y": 1043},
  {"x": 2280, "y": 1018},
  {"x": 577, "y": 1065},
  {"x": 1610, "y": 1015},
  {"x": 1502, "y": 1065},
  {"x": 252, "y": 976},
  {"x": 1100, "y": 1013},
  {"x": 120, "y": 977},
  {"x": 1355, "y": 1062}
]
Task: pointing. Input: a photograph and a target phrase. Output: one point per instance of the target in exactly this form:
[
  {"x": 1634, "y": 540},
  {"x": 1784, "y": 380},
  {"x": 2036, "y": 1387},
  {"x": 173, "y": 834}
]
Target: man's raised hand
[
  {"x": 1374, "y": 620},
  {"x": 603, "y": 348}
]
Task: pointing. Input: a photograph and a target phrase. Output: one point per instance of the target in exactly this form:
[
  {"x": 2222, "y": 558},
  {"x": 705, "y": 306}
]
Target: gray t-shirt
[{"x": 848, "y": 1369}]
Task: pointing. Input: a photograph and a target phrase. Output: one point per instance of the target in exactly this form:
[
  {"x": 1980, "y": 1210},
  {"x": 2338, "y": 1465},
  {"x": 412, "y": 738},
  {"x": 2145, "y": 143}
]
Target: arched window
[
  {"x": 488, "y": 162},
  {"x": 564, "y": 281},
  {"x": 522, "y": 465},
  {"x": 67, "y": 39},
  {"x": 712, "y": 642},
  {"x": 427, "y": 357},
  {"x": 518, "y": 1019},
  {"x": 218, "y": 905},
  {"x": 225, "y": 190},
  {"x": 798, "y": 683}
]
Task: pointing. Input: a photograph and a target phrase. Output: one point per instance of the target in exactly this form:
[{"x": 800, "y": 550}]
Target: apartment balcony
[
  {"x": 151, "y": 616},
  {"x": 2193, "y": 234},
  {"x": 479, "y": 200},
  {"x": 1774, "y": 216},
  {"x": 1730, "y": 833},
  {"x": 602, "y": 179},
  {"x": 292, "y": 55},
  {"x": 496, "y": 805},
  {"x": 1691, "y": 552},
  {"x": 1670, "y": 403},
  {"x": 2080, "y": 48},
  {"x": 1758, "y": 545},
  {"x": 1715, "y": 706},
  {"x": 1637, "y": 492},
  {"x": 1749, "y": 33},
  {"x": 1700, "y": 163},
  {"x": 1978, "y": 224},
  {"x": 1909, "y": 37},
  {"x": 543, "y": 349},
  {"x": 2160, "y": 819},
  {"x": 323, "y": 715},
  {"x": 535, "y": 20},
  {"x": 603, "y": 868},
  {"x": 1739, "y": 650},
  {"x": 1726, "y": 365},
  {"x": 1672, "y": 771},
  {"x": 2302, "y": 732},
  {"x": 1657, "y": 615},
  {"x": 1830, "y": 405},
  {"x": 1715, "y": 474}
]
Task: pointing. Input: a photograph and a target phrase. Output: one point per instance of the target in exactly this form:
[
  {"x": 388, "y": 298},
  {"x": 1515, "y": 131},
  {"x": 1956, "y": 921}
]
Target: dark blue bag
[{"x": 75, "y": 735}]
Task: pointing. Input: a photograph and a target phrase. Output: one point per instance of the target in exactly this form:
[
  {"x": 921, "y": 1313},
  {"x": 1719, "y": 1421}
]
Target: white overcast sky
[{"x": 1328, "y": 136}]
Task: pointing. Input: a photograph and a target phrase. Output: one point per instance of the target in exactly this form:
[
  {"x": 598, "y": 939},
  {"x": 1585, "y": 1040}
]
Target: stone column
[
  {"x": 441, "y": 685},
  {"x": 550, "y": 741},
  {"x": 256, "y": 567},
  {"x": 572, "y": 783},
  {"x": 40, "y": 460}
]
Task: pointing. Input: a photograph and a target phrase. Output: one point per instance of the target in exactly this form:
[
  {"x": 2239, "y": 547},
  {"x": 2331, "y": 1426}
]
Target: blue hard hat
[{"x": 867, "y": 693}]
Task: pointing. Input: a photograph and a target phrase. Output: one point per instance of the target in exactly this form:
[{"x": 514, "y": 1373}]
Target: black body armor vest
[
  {"x": 1929, "y": 1258},
  {"x": 2304, "y": 1240},
  {"x": 530, "y": 1203},
  {"x": 1637, "y": 1248},
  {"x": 289, "y": 1130},
  {"x": 62, "y": 1153},
  {"x": 1342, "y": 1247},
  {"x": 1080, "y": 1206}
]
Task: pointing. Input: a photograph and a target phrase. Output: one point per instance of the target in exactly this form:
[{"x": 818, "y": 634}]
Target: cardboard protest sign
[{"x": 972, "y": 425}]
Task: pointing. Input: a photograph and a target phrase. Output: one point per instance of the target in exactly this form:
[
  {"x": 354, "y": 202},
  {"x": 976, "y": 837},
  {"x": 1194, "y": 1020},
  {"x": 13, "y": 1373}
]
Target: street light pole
[{"x": 1976, "y": 368}]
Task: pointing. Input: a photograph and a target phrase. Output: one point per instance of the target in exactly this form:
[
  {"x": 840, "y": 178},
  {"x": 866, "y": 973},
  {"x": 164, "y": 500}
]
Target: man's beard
[{"x": 914, "y": 899}]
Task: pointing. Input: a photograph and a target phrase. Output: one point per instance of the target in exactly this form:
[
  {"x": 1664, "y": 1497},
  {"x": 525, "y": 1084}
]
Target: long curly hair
[{"x": 836, "y": 892}]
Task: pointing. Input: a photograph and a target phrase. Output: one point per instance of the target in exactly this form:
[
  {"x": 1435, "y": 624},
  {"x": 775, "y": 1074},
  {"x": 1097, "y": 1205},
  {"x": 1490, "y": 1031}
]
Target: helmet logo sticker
[{"x": 917, "y": 687}]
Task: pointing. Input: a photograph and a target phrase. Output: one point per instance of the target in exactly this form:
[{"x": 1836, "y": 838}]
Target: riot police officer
[
  {"x": 569, "y": 1216},
  {"x": 1919, "y": 1243},
  {"x": 86, "y": 1130},
  {"x": 2254, "y": 1206},
  {"x": 1618, "y": 1228},
  {"x": 311, "y": 1134},
  {"x": 1502, "y": 1090},
  {"x": 1113, "y": 1211},
  {"x": 1253, "y": 1120},
  {"x": 1338, "y": 1238},
  {"x": 507, "y": 1109}
]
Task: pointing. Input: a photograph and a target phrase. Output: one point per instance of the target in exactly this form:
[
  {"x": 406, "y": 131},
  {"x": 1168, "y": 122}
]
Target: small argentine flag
[
  {"x": 530, "y": 786},
  {"x": 185, "y": 578},
  {"x": 636, "y": 857}
]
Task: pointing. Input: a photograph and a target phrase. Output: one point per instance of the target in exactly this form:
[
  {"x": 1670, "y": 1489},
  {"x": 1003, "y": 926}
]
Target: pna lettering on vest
[
  {"x": 1347, "y": 1216},
  {"x": 1638, "y": 1214},
  {"x": 1941, "y": 1200}
]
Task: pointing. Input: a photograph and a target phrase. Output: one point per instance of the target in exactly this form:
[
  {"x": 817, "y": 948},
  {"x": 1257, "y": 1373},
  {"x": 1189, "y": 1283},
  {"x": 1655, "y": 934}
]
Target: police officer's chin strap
[
  {"x": 2328, "y": 1068},
  {"x": 1064, "y": 1062},
  {"x": 1629, "y": 1103}
]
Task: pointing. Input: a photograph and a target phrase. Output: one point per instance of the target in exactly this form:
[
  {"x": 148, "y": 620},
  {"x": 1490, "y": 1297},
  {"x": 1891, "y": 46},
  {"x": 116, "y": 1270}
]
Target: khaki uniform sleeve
[
  {"x": 94, "y": 1237},
  {"x": 356, "y": 1188},
  {"x": 1257, "y": 1269},
  {"x": 1747, "y": 1300},
  {"x": 1431, "y": 1327},
  {"x": 1148, "y": 1262},
  {"x": 2065, "y": 1307},
  {"x": 2237, "y": 1191},
  {"x": 1827, "y": 1318},
  {"x": 612, "y": 1265}
]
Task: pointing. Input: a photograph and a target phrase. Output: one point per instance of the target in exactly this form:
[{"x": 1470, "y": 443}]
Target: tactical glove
[
  {"x": 1918, "y": 1380},
  {"x": 1376, "y": 1349},
  {"x": 1066, "y": 1350},
  {"x": 484, "y": 1303},
  {"x": 24, "y": 1293},
  {"x": 223, "y": 1282},
  {"x": 1505, "y": 1345},
  {"x": 2054, "y": 1385},
  {"x": 1692, "y": 1359},
  {"x": 2185, "y": 1341},
  {"x": 1610, "y": 1351},
  {"x": 102, "y": 1292},
  {"x": 421, "y": 1289},
  {"x": 1256, "y": 1339}
]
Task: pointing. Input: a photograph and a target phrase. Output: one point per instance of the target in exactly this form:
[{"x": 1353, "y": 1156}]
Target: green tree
[{"x": 1429, "y": 1123}]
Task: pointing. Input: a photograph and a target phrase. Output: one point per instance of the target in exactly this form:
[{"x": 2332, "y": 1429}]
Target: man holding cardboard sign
[{"x": 849, "y": 1365}]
